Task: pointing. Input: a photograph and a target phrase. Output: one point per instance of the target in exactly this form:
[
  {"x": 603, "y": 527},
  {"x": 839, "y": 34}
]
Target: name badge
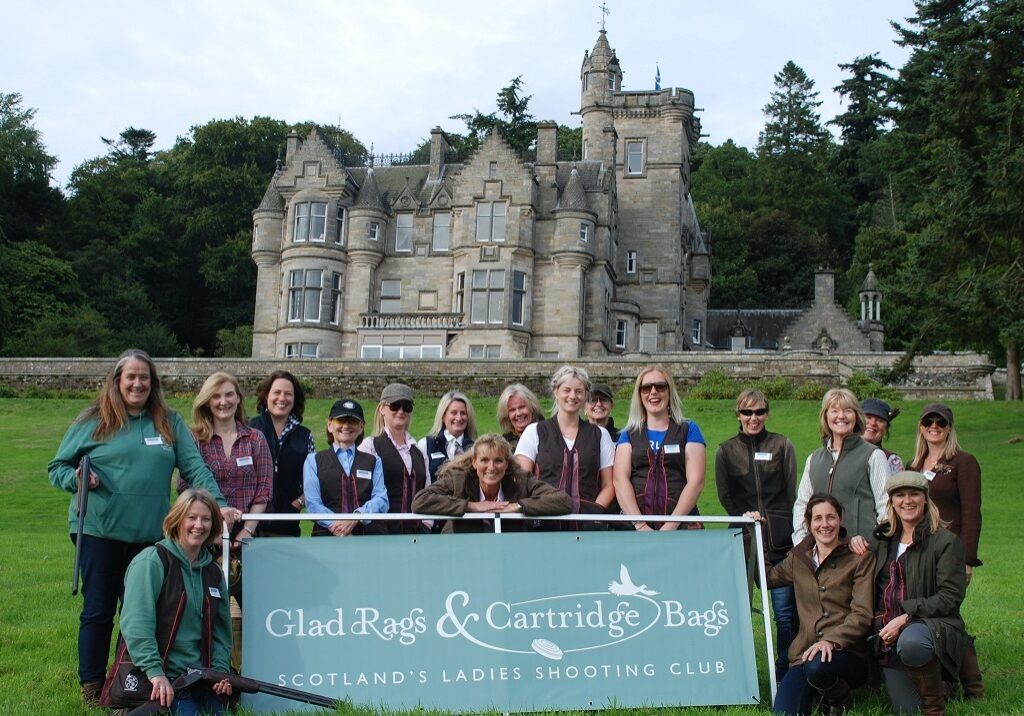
[
  {"x": 214, "y": 592},
  {"x": 158, "y": 440},
  {"x": 762, "y": 456},
  {"x": 244, "y": 461},
  {"x": 930, "y": 475},
  {"x": 437, "y": 456},
  {"x": 672, "y": 449},
  {"x": 364, "y": 474}
]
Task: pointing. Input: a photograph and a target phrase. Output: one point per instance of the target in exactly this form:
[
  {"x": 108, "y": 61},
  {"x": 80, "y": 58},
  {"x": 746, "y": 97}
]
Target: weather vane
[{"x": 605, "y": 12}]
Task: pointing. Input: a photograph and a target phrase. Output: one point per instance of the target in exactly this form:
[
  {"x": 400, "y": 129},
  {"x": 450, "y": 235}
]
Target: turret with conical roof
[
  {"x": 871, "y": 310},
  {"x": 600, "y": 78}
]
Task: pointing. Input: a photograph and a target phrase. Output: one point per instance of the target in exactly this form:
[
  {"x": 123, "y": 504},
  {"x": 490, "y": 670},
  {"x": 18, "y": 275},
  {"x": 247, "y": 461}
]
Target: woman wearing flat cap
[
  {"x": 920, "y": 583},
  {"x": 877, "y": 416},
  {"x": 599, "y": 409},
  {"x": 487, "y": 479},
  {"x": 954, "y": 479},
  {"x": 405, "y": 467}
]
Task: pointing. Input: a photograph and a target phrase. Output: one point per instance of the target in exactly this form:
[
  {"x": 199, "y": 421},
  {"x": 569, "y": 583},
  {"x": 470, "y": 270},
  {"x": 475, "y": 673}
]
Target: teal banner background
[{"x": 510, "y": 622}]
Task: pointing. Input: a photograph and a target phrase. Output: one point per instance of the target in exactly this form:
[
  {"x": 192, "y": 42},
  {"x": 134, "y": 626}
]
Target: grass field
[{"x": 38, "y": 616}]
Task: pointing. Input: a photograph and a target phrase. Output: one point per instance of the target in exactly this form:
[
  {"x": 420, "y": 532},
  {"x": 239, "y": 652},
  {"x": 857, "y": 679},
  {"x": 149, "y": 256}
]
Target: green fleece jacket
[
  {"x": 142, "y": 584},
  {"x": 134, "y": 467}
]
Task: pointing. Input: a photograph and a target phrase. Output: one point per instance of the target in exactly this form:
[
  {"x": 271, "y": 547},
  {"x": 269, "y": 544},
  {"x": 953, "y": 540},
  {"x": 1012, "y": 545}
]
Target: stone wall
[{"x": 945, "y": 377}]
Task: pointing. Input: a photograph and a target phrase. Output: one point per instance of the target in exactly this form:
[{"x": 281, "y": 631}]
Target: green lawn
[{"x": 38, "y": 615}]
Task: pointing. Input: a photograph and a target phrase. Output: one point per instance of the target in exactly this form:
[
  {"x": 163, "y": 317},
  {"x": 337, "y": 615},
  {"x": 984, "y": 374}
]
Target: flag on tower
[{"x": 657, "y": 77}]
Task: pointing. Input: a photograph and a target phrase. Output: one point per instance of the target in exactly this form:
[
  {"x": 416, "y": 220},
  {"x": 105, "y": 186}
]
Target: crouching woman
[
  {"x": 834, "y": 588},
  {"x": 920, "y": 584},
  {"x": 175, "y": 605},
  {"x": 487, "y": 479}
]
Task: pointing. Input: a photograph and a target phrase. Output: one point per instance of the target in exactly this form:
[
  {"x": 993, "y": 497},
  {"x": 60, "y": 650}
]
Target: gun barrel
[
  {"x": 85, "y": 467},
  {"x": 253, "y": 686}
]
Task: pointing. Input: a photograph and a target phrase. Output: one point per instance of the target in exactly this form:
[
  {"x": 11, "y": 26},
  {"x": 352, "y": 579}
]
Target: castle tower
[
  {"x": 600, "y": 78},
  {"x": 267, "y": 237}
]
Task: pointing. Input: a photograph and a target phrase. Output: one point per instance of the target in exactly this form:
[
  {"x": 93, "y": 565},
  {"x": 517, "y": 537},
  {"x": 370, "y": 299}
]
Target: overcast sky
[{"x": 389, "y": 70}]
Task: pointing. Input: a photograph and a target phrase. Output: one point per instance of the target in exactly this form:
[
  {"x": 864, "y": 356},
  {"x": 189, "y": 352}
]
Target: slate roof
[
  {"x": 765, "y": 326},
  {"x": 574, "y": 196}
]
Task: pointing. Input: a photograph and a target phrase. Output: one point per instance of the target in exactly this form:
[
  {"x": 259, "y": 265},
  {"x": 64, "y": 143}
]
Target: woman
[
  {"x": 486, "y": 479},
  {"x": 405, "y": 469},
  {"x": 834, "y": 587},
  {"x": 877, "y": 417},
  {"x": 955, "y": 488},
  {"x": 755, "y": 470},
  {"x": 280, "y": 402},
  {"x": 846, "y": 466},
  {"x": 451, "y": 434},
  {"x": 200, "y": 634},
  {"x": 517, "y": 408},
  {"x": 920, "y": 584},
  {"x": 237, "y": 455},
  {"x": 344, "y": 480},
  {"x": 568, "y": 453},
  {"x": 661, "y": 456},
  {"x": 135, "y": 443}
]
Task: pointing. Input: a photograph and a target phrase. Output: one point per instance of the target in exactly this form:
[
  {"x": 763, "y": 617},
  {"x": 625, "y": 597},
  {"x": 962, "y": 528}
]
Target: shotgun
[
  {"x": 245, "y": 685},
  {"x": 84, "y": 468}
]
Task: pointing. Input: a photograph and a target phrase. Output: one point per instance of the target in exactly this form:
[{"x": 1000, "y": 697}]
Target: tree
[
  {"x": 27, "y": 200},
  {"x": 792, "y": 173},
  {"x": 134, "y": 144},
  {"x": 868, "y": 109},
  {"x": 793, "y": 126},
  {"x": 960, "y": 99},
  {"x": 515, "y": 122}
]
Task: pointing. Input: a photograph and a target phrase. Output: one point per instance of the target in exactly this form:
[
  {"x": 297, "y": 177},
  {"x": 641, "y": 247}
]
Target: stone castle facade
[{"x": 495, "y": 257}]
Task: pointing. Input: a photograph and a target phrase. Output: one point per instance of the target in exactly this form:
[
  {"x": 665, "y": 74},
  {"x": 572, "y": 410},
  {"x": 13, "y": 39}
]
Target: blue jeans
[
  {"x": 104, "y": 562},
  {"x": 784, "y": 609},
  {"x": 195, "y": 701},
  {"x": 804, "y": 681}
]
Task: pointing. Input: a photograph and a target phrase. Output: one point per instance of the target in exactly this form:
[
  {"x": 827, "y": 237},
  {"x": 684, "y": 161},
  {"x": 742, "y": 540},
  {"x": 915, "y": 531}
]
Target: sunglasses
[
  {"x": 647, "y": 388},
  {"x": 747, "y": 412},
  {"x": 930, "y": 420},
  {"x": 401, "y": 405}
]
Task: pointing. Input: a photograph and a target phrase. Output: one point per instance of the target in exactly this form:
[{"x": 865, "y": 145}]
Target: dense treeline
[{"x": 925, "y": 182}]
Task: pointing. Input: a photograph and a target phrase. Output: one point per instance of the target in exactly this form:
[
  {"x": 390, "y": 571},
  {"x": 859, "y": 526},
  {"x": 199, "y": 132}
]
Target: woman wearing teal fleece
[
  {"x": 135, "y": 442},
  {"x": 153, "y": 599}
]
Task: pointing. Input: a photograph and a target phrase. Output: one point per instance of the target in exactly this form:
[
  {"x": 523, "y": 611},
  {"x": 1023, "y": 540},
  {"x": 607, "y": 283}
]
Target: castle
[{"x": 495, "y": 257}]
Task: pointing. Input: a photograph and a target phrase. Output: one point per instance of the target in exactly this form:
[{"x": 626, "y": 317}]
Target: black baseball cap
[{"x": 346, "y": 409}]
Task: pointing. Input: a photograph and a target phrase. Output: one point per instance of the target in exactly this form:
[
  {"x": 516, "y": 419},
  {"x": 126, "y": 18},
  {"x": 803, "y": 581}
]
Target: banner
[{"x": 509, "y": 622}]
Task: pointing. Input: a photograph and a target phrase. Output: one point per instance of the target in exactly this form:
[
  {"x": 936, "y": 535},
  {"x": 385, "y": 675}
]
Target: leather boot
[
  {"x": 931, "y": 690},
  {"x": 970, "y": 675},
  {"x": 836, "y": 700},
  {"x": 91, "y": 694}
]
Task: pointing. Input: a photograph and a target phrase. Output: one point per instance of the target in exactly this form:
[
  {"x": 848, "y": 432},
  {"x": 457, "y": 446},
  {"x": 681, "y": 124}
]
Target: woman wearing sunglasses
[
  {"x": 661, "y": 456},
  {"x": 405, "y": 468},
  {"x": 954, "y": 478},
  {"x": 755, "y": 471},
  {"x": 568, "y": 453}
]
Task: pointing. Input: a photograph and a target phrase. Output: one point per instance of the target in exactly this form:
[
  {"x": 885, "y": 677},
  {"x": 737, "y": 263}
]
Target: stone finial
[
  {"x": 574, "y": 196},
  {"x": 369, "y": 194}
]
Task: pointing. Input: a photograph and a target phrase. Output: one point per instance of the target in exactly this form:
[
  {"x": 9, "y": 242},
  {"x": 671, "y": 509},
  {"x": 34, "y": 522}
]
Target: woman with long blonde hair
[{"x": 661, "y": 456}]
